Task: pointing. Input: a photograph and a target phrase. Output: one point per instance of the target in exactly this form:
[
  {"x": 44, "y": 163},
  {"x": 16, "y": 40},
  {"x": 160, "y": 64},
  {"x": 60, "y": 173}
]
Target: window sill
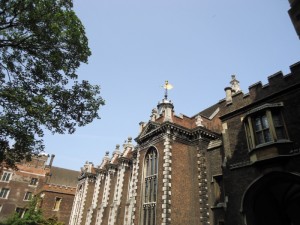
[
  {"x": 220, "y": 205},
  {"x": 271, "y": 150}
]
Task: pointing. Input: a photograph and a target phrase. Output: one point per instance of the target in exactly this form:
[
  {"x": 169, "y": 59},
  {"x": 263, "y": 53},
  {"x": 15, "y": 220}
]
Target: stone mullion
[
  {"x": 166, "y": 189},
  {"x": 203, "y": 189}
]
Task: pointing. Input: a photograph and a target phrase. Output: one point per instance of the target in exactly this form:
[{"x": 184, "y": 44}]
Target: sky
[{"x": 194, "y": 44}]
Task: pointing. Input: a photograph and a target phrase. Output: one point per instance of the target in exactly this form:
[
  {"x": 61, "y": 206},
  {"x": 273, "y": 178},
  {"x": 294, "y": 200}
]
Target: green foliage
[
  {"x": 42, "y": 43},
  {"x": 32, "y": 216}
]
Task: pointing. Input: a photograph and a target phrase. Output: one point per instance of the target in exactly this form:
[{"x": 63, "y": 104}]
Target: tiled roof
[{"x": 61, "y": 176}]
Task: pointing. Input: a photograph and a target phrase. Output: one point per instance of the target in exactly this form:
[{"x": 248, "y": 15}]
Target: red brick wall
[{"x": 64, "y": 212}]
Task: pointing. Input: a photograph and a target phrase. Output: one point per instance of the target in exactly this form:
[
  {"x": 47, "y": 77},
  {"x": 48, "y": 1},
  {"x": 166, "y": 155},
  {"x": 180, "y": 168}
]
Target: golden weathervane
[{"x": 167, "y": 87}]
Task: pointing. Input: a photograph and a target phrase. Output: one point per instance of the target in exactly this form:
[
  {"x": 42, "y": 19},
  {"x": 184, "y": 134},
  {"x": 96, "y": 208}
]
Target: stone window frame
[
  {"x": 28, "y": 196},
  {"x": 4, "y": 192},
  {"x": 57, "y": 203},
  {"x": 6, "y": 176},
  {"x": 34, "y": 181},
  {"x": 268, "y": 113},
  {"x": 21, "y": 211},
  {"x": 217, "y": 189},
  {"x": 150, "y": 184}
]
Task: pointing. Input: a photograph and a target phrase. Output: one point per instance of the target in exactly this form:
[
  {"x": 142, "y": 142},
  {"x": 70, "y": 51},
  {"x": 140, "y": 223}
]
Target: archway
[{"x": 273, "y": 199}]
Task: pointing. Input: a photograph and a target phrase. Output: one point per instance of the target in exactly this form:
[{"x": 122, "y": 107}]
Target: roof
[
  {"x": 62, "y": 176},
  {"x": 209, "y": 111}
]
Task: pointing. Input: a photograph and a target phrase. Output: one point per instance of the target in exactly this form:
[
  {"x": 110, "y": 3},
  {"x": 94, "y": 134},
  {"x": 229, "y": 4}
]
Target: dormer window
[{"x": 265, "y": 125}]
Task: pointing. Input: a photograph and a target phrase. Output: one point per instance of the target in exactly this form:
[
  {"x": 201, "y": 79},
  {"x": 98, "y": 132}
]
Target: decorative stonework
[
  {"x": 203, "y": 192},
  {"x": 79, "y": 202},
  {"x": 199, "y": 121},
  {"x": 135, "y": 173},
  {"x": 105, "y": 197},
  {"x": 95, "y": 199},
  {"x": 117, "y": 193},
  {"x": 167, "y": 177}
]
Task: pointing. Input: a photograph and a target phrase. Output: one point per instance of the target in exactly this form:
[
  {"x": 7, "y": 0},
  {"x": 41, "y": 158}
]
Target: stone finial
[
  {"x": 199, "y": 121},
  {"x": 117, "y": 150},
  {"x": 154, "y": 114},
  {"x": 142, "y": 125},
  {"x": 129, "y": 140},
  {"x": 106, "y": 157},
  {"x": 235, "y": 84}
]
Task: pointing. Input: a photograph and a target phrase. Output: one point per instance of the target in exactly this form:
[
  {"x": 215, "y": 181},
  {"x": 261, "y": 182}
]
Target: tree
[
  {"x": 33, "y": 216},
  {"x": 42, "y": 43}
]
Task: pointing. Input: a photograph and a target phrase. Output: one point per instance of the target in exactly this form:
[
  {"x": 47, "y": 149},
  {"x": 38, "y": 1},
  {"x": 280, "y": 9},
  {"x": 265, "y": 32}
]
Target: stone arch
[{"x": 273, "y": 199}]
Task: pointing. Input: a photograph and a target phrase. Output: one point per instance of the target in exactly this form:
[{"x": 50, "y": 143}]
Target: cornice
[{"x": 178, "y": 132}]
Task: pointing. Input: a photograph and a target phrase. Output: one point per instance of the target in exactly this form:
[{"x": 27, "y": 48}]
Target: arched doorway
[{"x": 273, "y": 199}]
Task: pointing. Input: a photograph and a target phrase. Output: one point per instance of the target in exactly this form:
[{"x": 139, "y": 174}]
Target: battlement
[{"x": 277, "y": 83}]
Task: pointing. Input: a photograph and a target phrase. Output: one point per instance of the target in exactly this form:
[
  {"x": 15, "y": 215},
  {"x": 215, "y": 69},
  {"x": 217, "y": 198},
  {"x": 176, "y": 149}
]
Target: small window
[
  {"x": 57, "y": 203},
  {"x": 4, "y": 193},
  {"x": 33, "y": 181},
  {"x": 21, "y": 212},
  {"x": 6, "y": 176},
  {"x": 27, "y": 196}
]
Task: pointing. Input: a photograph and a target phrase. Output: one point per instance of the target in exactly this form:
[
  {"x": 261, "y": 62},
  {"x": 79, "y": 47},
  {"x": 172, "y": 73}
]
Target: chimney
[
  {"x": 228, "y": 91},
  {"x": 51, "y": 160}
]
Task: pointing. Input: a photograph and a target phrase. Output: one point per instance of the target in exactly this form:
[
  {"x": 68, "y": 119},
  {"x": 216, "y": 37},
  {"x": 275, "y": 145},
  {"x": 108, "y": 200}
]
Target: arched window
[{"x": 150, "y": 187}]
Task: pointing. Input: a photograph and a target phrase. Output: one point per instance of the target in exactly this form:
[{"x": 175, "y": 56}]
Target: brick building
[
  {"x": 57, "y": 194},
  {"x": 56, "y": 187},
  {"x": 18, "y": 186},
  {"x": 236, "y": 162}
]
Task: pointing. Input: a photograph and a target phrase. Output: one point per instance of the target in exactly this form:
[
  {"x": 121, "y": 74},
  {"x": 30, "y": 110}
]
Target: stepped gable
[{"x": 277, "y": 85}]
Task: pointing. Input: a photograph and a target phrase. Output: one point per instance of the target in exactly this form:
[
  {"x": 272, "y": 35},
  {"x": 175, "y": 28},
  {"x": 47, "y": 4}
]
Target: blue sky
[{"x": 195, "y": 44}]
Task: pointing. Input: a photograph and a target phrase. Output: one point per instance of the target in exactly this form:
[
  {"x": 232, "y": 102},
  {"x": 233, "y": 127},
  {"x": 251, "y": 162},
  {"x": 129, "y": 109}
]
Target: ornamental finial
[{"x": 167, "y": 87}]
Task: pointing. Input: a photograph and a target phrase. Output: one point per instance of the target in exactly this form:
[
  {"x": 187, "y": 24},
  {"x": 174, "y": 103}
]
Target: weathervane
[{"x": 167, "y": 87}]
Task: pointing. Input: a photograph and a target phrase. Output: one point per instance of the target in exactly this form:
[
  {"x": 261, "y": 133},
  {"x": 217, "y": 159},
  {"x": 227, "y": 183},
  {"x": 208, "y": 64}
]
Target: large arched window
[{"x": 150, "y": 187}]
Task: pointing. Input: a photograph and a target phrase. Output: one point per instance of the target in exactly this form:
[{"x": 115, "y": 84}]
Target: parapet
[{"x": 277, "y": 83}]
